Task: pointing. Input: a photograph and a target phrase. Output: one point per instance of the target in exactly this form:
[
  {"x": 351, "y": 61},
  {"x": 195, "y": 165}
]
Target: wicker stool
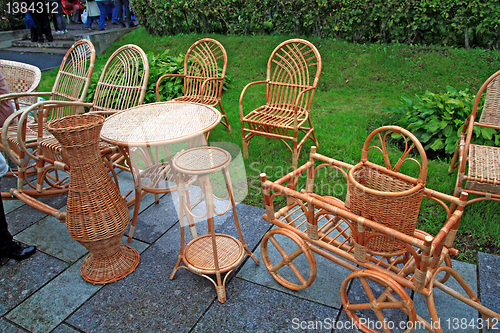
[{"x": 212, "y": 253}]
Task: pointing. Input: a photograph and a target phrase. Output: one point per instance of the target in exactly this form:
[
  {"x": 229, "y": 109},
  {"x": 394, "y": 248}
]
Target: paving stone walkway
[{"x": 46, "y": 293}]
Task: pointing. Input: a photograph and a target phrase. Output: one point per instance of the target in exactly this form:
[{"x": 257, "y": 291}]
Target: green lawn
[{"x": 356, "y": 83}]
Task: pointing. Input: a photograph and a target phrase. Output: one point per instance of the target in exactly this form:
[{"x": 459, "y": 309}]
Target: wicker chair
[
  {"x": 122, "y": 84},
  {"x": 481, "y": 162},
  {"x": 21, "y": 78},
  {"x": 71, "y": 84},
  {"x": 293, "y": 72},
  {"x": 204, "y": 71}
]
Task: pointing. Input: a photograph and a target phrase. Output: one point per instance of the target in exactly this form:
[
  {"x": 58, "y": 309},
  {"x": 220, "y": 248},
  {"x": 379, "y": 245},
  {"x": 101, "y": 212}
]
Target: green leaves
[
  {"x": 406, "y": 21},
  {"x": 437, "y": 119}
]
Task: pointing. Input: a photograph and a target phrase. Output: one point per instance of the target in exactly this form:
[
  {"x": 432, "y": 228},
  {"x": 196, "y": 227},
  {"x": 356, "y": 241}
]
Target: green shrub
[
  {"x": 10, "y": 16},
  {"x": 437, "y": 119},
  {"x": 446, "y": 22},
  {"x": 159, "y": 64}
]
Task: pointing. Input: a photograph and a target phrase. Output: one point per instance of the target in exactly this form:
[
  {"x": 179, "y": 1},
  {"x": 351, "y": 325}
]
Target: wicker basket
[{"x": 385, "y": 199}]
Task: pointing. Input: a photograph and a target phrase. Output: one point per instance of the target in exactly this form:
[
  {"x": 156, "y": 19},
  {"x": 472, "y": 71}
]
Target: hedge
[{"x": 471, "y": 23}]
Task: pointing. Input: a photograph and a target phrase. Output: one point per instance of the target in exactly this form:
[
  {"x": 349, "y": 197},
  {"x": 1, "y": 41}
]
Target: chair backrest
[
  {"x": 205, "y": 59},
  {"x": 491, "y": 109},
  {"x": 73, "y": 78},
  {"x": 294, "y": 65},
  {"x": 21, "y": 77},
  {"x": 123, "y": 80}
]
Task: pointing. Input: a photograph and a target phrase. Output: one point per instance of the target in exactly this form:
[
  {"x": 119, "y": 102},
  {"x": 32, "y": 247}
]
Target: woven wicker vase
[{"x": 97, "y": 215}]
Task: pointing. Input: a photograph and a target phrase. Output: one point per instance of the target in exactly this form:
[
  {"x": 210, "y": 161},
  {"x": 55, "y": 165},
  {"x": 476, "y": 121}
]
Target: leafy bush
[
  {"x": 446, "y": 22},
  {"x": 159, "y": 64},
  {"x": 437, "y": 119},
  {"x": 10, "y": 18}
]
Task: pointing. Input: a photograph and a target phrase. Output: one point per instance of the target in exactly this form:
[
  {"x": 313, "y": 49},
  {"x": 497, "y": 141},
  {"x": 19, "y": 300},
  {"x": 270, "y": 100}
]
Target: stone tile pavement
[{"x": 46, "y": 293}]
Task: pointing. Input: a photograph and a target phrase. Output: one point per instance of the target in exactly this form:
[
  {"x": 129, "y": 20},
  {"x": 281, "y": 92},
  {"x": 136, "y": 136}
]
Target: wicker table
[{"x": 146, "y": 127}]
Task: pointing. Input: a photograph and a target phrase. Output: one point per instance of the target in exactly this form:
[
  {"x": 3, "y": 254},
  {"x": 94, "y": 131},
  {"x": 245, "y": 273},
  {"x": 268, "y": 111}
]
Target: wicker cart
[{"x": 372, "y": 232}]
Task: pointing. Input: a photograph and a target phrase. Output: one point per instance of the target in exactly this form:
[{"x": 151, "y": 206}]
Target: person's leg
[
  {"x": 102, "y": 16},
  {"x": 61, "y": 22},
  {"x": 126, "y": 6},
  {"x": 5, "y": 236},
  {"x": 119, "y": 5},
  {"x": 46, "y": 26}
]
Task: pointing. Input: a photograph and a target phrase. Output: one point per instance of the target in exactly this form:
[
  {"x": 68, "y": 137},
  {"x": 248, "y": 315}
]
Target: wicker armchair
[
  {"x": 21, "y": 78},
  {"x": 204, "y": 71},
  {"x": 71, "y": 84},
  {"x": 293, "y": 72},
  {"x": 481, "y": 162},
  {"x": 122, "y": 84}
]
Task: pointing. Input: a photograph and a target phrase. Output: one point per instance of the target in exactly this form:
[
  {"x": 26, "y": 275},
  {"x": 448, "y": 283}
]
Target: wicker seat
[
  {"x": 204, "y": 71},
  {"x": 212, "y": 253},
  {"x": 293, "y": 72},
  {"x": 479, "y": 165},
  {"x": 20, "y": 141}
]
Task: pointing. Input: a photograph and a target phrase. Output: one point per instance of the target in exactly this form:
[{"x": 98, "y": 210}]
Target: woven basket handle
[{"x": 411, "y": 142}]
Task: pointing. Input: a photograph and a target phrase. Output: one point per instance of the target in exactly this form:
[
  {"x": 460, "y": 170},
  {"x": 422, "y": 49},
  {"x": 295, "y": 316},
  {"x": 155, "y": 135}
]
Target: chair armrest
[
  {"x": 160, "y": 79},
  {"x": 243, "y": 93},
  {"x": 40, "y": 108},
  {"x": 205, "y": 82},
  {"x": 5, "y": 142}
]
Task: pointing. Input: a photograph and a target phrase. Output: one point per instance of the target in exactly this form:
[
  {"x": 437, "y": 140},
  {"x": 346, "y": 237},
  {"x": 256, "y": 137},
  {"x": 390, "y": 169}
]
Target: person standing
[
  {"x": 124, "y": 5},
  {"x": 41, "y": 18},
  {"x": 103, "y": 4},
  {"x": 56, "y": 9},
  {"x": 8, "y": 247}
]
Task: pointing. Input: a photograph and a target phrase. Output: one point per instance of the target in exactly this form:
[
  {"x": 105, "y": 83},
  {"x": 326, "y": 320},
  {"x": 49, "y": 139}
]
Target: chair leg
[
  {"x": 137, "y": 205},
  {"x": 224, "y": 116},
  {"x": 244, "y": 142},
  {"x": 236, "y": 220}
]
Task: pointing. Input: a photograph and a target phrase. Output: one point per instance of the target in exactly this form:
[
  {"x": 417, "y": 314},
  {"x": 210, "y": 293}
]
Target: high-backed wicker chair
[
  {"x": 71, "y": 84},
  {"x": 21, "y": 78},
  {"x": 293, "y": 72},
  {"x": 122, "y": 84},
  {"x": 204, "y": 72},
  {"x": 481, "y": 162}
]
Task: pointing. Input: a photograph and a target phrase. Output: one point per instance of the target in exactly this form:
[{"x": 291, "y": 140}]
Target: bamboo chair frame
[
  {"x": 71, "y": 84},
  {"x": 311, "y": 223},
  {"x": 293, "y": 72},
  {"x": 205, "y": 67},
  {"x": 482, "y": 163}
]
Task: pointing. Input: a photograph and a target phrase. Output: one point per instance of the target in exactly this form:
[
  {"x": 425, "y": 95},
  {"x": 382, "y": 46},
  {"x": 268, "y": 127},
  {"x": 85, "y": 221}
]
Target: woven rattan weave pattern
[
  {"x": 479, "y": 165},
  {"x": 159, "y": 123},
  {"x": 21, "y": 78}
]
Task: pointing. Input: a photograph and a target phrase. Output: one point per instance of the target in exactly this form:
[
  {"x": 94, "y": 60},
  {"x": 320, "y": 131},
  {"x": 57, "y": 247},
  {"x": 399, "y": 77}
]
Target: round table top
[{"x": 159, "y": 123}]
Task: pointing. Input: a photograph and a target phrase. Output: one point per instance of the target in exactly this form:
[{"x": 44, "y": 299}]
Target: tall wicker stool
[{"x": 212, "y": 253}]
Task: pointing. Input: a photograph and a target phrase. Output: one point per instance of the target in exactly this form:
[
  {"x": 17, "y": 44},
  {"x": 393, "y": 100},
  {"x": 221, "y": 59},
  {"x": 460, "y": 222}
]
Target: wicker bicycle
[{"x": 372, "y": 233}]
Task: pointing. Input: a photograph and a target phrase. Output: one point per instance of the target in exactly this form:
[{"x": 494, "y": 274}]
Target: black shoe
[
  {"x": 122, "y": 24},
  {"x": 19, "y": 252},
  {"x": 132, "y": 25}
]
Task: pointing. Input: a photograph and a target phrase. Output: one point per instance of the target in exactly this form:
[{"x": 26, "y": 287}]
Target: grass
[{"x": 357, "y": 82}]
